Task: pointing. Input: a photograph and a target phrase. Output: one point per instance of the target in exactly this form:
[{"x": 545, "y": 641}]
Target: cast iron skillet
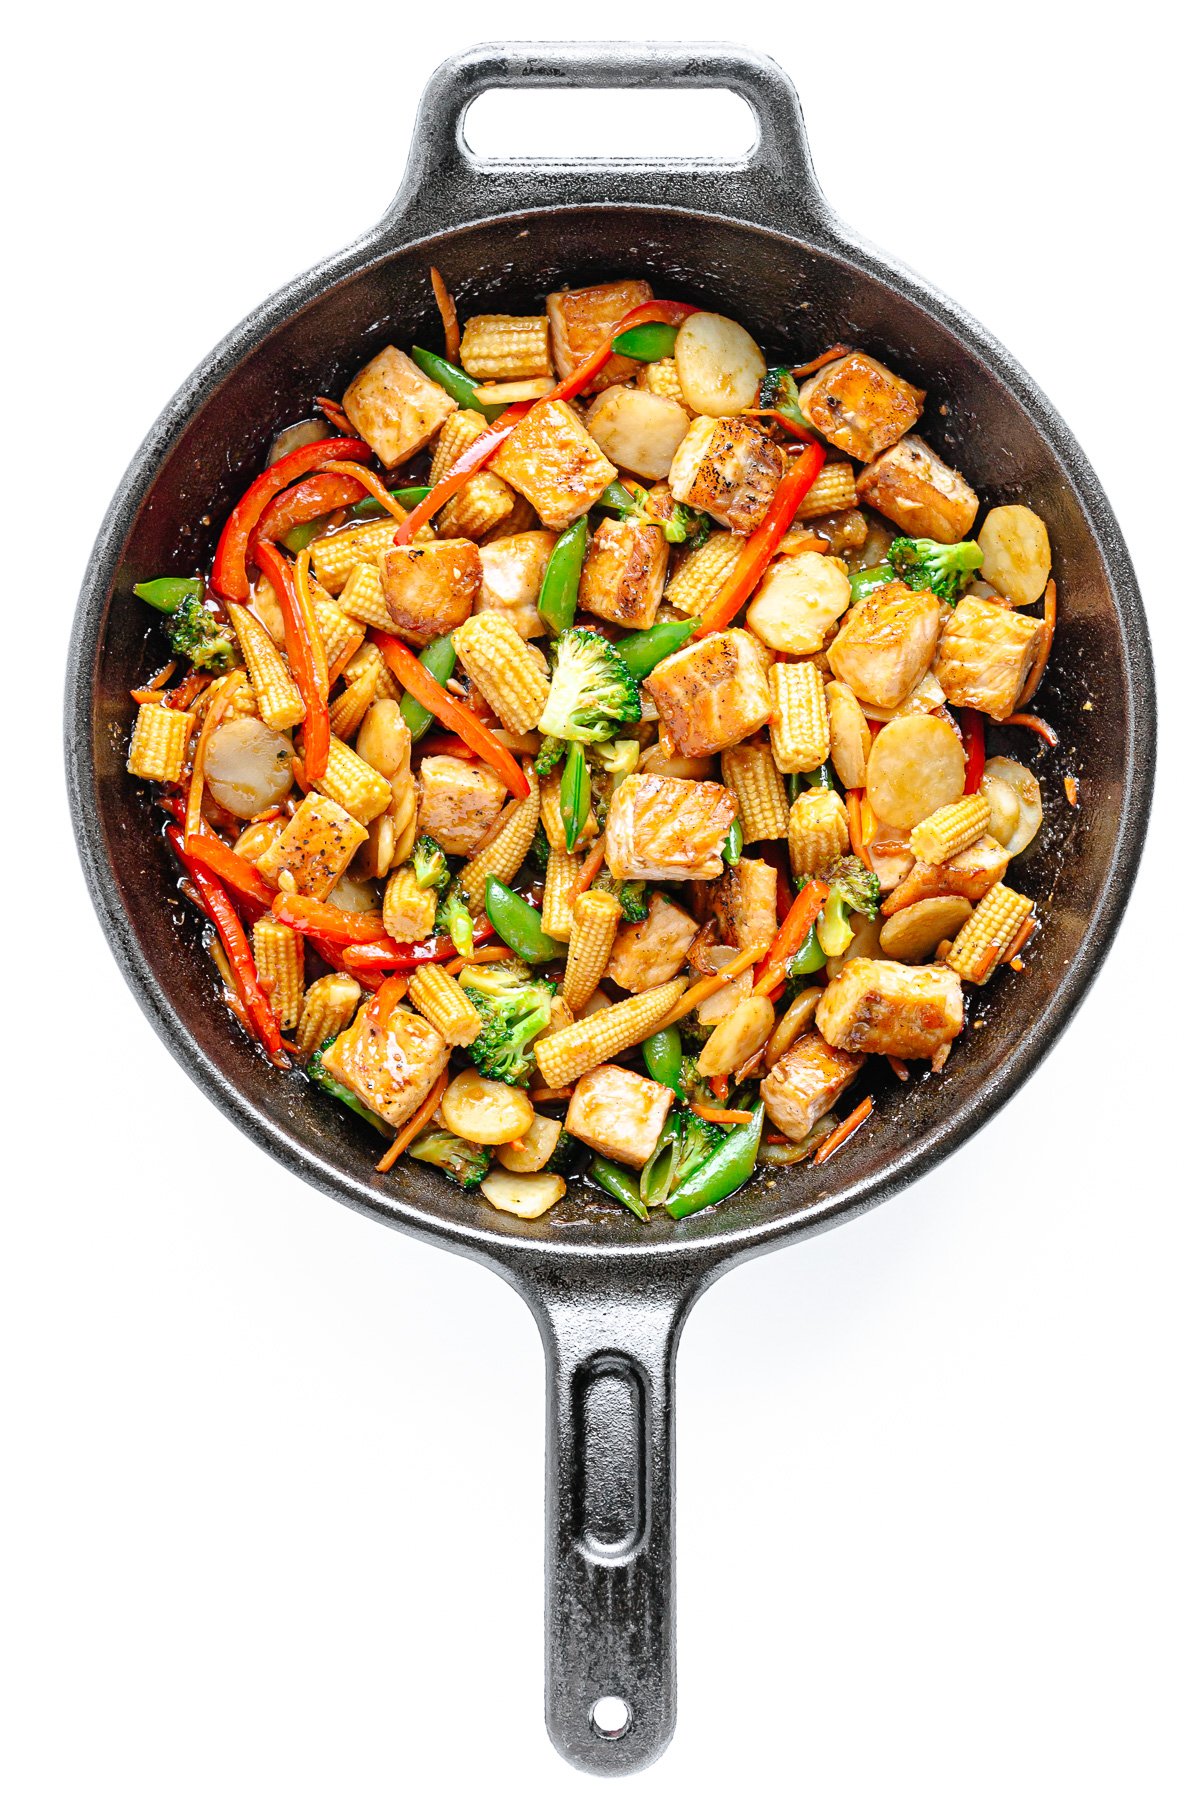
[{"x": 755, "y": 239}]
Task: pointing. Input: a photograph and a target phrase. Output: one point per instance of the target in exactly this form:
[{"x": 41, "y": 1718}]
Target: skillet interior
[{"x": 790, "y": 297}]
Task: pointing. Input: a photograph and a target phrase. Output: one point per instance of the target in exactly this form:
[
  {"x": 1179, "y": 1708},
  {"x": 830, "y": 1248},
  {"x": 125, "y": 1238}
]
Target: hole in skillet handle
[
  {"x": 610, "y": 1716},
  {"x": 710, "y": 124}
]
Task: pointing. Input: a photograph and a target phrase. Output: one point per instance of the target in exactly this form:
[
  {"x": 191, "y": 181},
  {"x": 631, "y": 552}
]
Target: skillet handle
[
  {"x": 610, "y": 1534},
  {"x": 446, "y": 185}
]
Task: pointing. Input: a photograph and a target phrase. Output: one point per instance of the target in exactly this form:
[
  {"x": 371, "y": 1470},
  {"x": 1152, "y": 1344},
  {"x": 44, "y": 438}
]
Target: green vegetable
[
  {"x": 560, "y": 583},
  {"x": 439, "y": 658},
  {"x": 942, "y": 569},
  {"x": 866, "y": 581},
  {"x": 778, "y": 391},
  {"x": 592, "y": 692},
  {"x": 429, "y": 864},
  {"x": 168, "y": 593},
  {"x": 647, "y": 343},
  {"x": 809, "y": 957},
  {"x": 642, "y": 651},
  {"x": 662, "y": 1054},
  {"x": 371, "y": 509},
  {"x": 574, "y": 795},
  {"x": 562, "y": 1157},
  {"x": 300, "y": 536},
  {"x": 454, "y": 919},
  {"x": 820, "y": 778},
  {"x": 464, "y": 1163},
  {"x": 631, "y": 504},
  {"x": 619, "y": 1183},
  {"x": 659, "y": 1171},
  {"x": 853, "y": 888},
  {"x": 618, "y": 758},
  {"x": 731, "y": 849},
  {"x": 698, "y": 1138},
  {"x": 513, "y": 1008},
  {"x": 539, "y": 850},
  {"x": 194, "y": 632},
  {"x": 683, "y": 523},
  {"x": 722, "y": 1172},
  {"x": 552, "y": 751},
  {"x": 687, "y": 524},
  {"x": 456, "y": 381},
  {"x": 631, "y": 895},
  {"x": 519, "y": 924},
  {"x": 317, "y": 1073}
]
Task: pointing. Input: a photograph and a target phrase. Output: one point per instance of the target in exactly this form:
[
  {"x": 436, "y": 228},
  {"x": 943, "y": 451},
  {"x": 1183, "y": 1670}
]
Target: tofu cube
[
  {"x": 430, "y": 589},
  {"x": 458, "y": 802},
  {"x": 891, "y": 1009},
  {"x": 743, "y": 903},
  {"x": 886, "y": 644},
  {"x": 619, "y": 1114},
  {"x": 728, "y": 468},
  {"x": 314, "y": 849},
  {"x": 713, "y": 693},
  {"x": 916, "y": 490},
  {"x": 969, "y": 874},
  {"x": 581, "y": 319},
  {"x": 798, "y": 602},
  {"x": 861, "y": 407},
  {"x": 394, "y": 407},
  {"x": 389, "y": 1066},
  {"x": 984, "y": 654},
  {"x": 624, "y": 573},
  {"x": 638, "y": 431},
  {"x": 651, "y": 952},
  {"x": 806, "y": 1081},
  {"x": 662, "y": 828},
  {"x": 512, "y": 571},
  {"x": 552, "y": 461}
]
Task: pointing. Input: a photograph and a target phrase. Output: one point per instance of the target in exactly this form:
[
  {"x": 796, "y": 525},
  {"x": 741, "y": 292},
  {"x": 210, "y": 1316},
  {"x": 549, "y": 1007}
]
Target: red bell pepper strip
[
  {"x": 387, "y": 953},
  {"x": 229, "y": 576},
  {"x": 317, "y": 918},
  {"x": 972, "y": 730},
  {"x": 801, "y": 918},
  {"x": 310, "y": 499},
  {"x": 762, "y": 544},
  {"x": 457, "y": 718},
  {"x": 305, "y": 653},
  {"x": 219, "y": 908},
  {"x": 236, "y": 871}
]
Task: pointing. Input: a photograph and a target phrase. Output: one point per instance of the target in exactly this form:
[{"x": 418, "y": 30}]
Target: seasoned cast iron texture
[{"x": 610, "y": 1294}]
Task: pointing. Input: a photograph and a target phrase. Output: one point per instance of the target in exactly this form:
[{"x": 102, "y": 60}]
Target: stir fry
[{"x": 578, "y": 749}]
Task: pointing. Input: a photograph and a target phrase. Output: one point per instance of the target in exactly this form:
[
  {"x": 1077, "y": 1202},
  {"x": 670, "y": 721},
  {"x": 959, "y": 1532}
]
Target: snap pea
[
  {"x": 300, "y": 536},
  {"x": 439, "y": 658},
  {"x": 865, "y": 581},
  {"x": 560, "y": 583},
  {"x": 809, "y": 957},
  {"x": 728, "y": 1168},
  {"x": 658, "y": 1173},
  {"x": 642, "y": 651},
  {"x": 456, "y": 381},
  {"x": 647, "y": 343},
  {"x": 518, "y": 923},
  {"x": 619, "y": 1183},
  {"x": 662, "y": 1054},
  {"x": 731, "y": 849},
  {"x": 371, "y": 509},
  {"x": 168, "y": 593},
  {"x": 820, "y": 778},
  {"x": 574, "y": 795}
]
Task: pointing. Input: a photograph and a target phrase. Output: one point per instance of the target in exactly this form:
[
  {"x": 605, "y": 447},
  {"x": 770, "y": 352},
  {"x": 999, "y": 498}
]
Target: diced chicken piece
[
  {"x": 390, "y": 1067},
  {"x": 729, "y": 468},
  {"x": 581, "y": 319},
  {"x": 984, "y": 654},
  {"x": 971, "y": 873},
  {"x": 431, "y": 588},
  {"x": 314, "y": 848},
  {"x": 394, "y": 407},
  {"x": 552, "y": 461},
  {"x": 662, "y": 829},
  {"x": 743, "y": 903},
  {"x": 916, "y": 490},
  {"x": 638, "y": 431},
  {"x": 713, "y": 693},
  {"x": 619, "y": 1114},
  {"x": 458, "y": 802},
  {"x": 651, "y": 952},
  {"x": 886, "y": 644},
  {"x": 624, "y": 573},
  {"x": 512, "y": 572},
  {"x": 806, "y": 1081},
  {"x": 891, "y": 1009},
  {"x": 860, "y": 406}
]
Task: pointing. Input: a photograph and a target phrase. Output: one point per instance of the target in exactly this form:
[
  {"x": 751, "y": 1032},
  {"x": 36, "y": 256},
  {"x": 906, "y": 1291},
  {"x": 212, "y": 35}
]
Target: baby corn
[
  {"x": 329, "y": 1006},
  {"x": 438, "y": 998},
  {"x": 799, "y": 717},
  {"x": 596, "y": 917},
  {"x": 570, "y": 1053},
  {"x": 750, "y": 773},
  {"x": 988, "y": 934},
  {"x": 159, "y": 743}
]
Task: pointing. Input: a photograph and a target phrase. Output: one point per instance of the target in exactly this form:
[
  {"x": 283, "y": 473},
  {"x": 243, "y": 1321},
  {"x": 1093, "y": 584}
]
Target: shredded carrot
[
  {"x": 152, "y": 691},
  {"x": 720, "y": 1086},
  {"x": 1071, "y": 788},
  {"x": 221, "y": 697},
  {"x": 516, "y": 1143},
  {"x": 1049, "y": 620},
  {"x": 420, "y": 1118},
  {"x": 1019, "y": 942},
  {"x": 590, "y": 867},
  {"x": 445, "y": 306},
  {"x": 845, "y": 1130},
  {"x": 372, "y": 484},
  {"x": 711, "y": 984},
  {"x": 1031, "y": 722},
  {"x": 899, "y": 1068},
  {"x": 791, "y": 934},
  {"x": 189, "y": 689},
  {"x": 456, "y": 965},
  {"x": 494, "y": 953},
  {"x": 721, "y": 1115},
  {"x": 444, "y": 743},
  {"x": 826, "y": 356},
  {"x": 335, "y": 415}
]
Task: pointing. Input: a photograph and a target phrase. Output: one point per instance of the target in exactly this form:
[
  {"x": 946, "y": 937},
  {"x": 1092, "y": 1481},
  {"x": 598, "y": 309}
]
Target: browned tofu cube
[
  {"x": 661, "y": 828},
  {"x": 395, "y": 408},
  {"x": 728, "y": 468},
  {"x": 916, "y": 490},
  {"x": 984, "y": 654},
  {"x": 886, "y": 644},
  {"x": 860, "y": 406},
  {"x": 314, "y": 849},
  {"x": 638, "y": 431},
  {"x": 431, "y": 588},
  {"x": 891, "y": 1009},
  {"x": 805, "y": 1082},
  {"x": 457, "y": 802},
  {"x": 969, "y": 874},
  {"x": 552, "y": 461},
  {"x": 711, "y": 694},
  {"x": 624, "y": 573},
  {"x": 618, "y": 1113},
  {"x": 390, "y": 1066},
  {"x": 647, "y": 954},
  {"x": 744, "y": 903},
  {"x": 513, "y": 569},
  {"x": 581, "y": 319}
]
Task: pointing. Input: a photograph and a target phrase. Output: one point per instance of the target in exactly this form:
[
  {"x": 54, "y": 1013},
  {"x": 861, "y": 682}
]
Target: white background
[{"x": 274, "y": 1476}]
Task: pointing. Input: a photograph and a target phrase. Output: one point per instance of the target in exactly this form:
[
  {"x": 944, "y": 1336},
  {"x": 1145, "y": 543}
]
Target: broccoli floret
[
  {"x": 429, "y": 864},
  {"x": 620, "y": 757},
  {"x": 514, "y": 1008},
  {"x": 853, "y": 888},
  {"x": 630, "y": 894},
  {"x": 698, "y": 1138},
  {"x": 777, "y": 391},
  {"x": 454, "y": 918},
  {"x": 563, "y": 1156},
  {"x": 552, "y": 751},
  {"x": 465, "y": 1163},
  {"x": 632, "y": 503},
  {"x": 943, "y": 569},
  {"x": 197, "y": 634},
  {"x": 539, "y": 850},
  {"x": 320, "y": 1076},
  {"x": 592, "y": 693}
]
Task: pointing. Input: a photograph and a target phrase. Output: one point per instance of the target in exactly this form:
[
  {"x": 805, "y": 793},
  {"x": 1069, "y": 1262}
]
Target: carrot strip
[
  {"x": 454, "y": 715},
  {"x": 711, "y": 984},
  {"x": 899, "y": 1068},
  {"x": 305, "y": 649},
  {"x": 854, "y": 821},
  {"x": 722, "y": 1115},
  {"x": 791, "y": 934},
  {"x": 420, "y": 1118},
  {"x": 334, "y": 413},
  {"x": 221, "y": 697},
  {"x": 372, "y": 484},
  {"x": 1039, "y": 727},
  {"x": 145, "y": 696},
  {"x": 826, "y": 356},
  {"x": 1049, "y": 620},
  {"x": 1071, "y": 789},
  {"x": 591, "y": 866},
  {"x": 441, "y": 743},
  {"x": 189, "y": 689},
  {"x": 846, "y": 1129},
  {"x": 317, "y": 918},
  {"x": 446, "y": 307},
  {"x": 1019, "y": 942},
  {"x": 336, "y": 668}
]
